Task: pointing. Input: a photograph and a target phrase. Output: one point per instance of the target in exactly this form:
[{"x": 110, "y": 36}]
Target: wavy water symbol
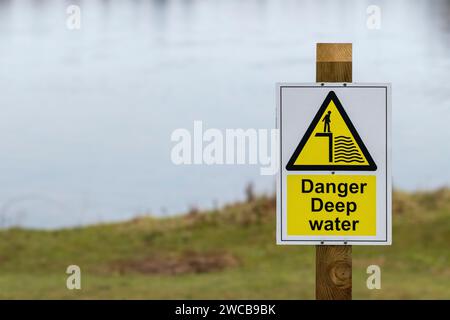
[{"x": 345, "y": 150}]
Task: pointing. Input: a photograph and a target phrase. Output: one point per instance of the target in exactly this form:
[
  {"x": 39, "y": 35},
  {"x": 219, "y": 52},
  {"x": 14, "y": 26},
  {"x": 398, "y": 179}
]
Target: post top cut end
[{"x": 334, "y": 52}]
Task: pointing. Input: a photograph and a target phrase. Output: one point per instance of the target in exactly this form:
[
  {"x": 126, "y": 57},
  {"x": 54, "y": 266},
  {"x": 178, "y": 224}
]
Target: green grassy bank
[{"x": 228, "y": 253}]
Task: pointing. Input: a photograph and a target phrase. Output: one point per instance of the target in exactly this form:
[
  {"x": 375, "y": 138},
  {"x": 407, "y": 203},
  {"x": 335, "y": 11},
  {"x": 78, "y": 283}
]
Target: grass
[{"x": 223, "y": 254}]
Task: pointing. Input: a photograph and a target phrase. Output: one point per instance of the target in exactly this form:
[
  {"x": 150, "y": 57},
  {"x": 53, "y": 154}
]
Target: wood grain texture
[
  {"x": 333, "y": 272},
  {"x": 334, "y": 263},
  {"x": 334, "y": 72},
  {"x": 334, "y": 62}
]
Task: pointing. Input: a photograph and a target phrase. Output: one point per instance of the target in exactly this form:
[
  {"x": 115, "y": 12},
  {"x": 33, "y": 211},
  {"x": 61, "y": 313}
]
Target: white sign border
[{"x": 348, "y": 241}]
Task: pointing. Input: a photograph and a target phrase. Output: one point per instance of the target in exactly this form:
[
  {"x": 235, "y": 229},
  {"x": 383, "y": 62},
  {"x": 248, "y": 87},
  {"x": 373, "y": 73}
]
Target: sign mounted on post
[{"x": 334, "y": 184}]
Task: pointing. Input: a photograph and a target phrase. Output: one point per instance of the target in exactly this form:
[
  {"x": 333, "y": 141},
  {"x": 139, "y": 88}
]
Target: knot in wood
[{"x": 340, "y": 273}]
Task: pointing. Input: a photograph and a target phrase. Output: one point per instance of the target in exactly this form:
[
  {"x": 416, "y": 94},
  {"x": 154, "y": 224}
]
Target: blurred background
[
  {"x": 85, "y": 137},
  {"x": 87, "y": 114}
]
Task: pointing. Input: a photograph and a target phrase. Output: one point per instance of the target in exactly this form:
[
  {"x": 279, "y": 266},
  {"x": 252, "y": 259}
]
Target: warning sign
[
  {"x": 334, "y": 185},
  {"x": 331, "y": 142}
]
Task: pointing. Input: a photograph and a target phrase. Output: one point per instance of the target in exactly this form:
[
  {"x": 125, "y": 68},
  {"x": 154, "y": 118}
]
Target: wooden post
[{"x": 334, "y": 263}]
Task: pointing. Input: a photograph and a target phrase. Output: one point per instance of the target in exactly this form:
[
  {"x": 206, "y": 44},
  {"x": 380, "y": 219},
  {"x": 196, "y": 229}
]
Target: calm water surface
[{"x": 86, "y": 116}]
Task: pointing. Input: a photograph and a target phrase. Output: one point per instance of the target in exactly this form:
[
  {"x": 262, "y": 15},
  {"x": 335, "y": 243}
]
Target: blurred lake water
[{"x": 86, "y": 115}]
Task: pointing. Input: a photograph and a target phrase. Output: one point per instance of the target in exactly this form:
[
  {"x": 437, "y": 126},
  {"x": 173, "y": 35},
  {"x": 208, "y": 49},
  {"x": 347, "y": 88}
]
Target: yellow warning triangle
[{"x": 331, "y": 143}]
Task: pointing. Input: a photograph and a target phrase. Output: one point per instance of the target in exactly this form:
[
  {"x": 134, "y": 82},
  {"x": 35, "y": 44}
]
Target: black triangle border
[{"x": 331, "y": 97}]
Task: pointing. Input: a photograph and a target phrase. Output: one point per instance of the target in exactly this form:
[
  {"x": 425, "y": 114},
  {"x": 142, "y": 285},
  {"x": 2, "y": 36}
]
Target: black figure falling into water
[{"x": 326, "y": 120}]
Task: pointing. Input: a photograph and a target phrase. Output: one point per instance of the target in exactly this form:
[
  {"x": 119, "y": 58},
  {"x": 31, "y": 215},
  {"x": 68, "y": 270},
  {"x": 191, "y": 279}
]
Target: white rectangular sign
[{"x": 334, "y": 183}]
